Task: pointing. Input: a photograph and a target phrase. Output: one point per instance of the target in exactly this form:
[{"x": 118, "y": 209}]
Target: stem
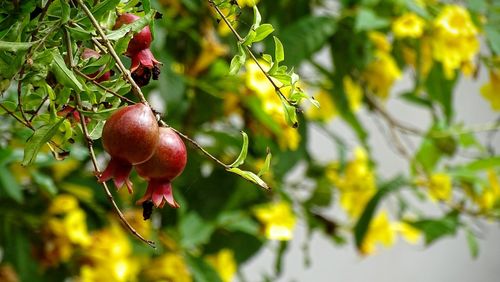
[
  {"x": 97, "y": 172},
  {"x": 135, "y": 88},
  {"x": 249, "y": 51}
]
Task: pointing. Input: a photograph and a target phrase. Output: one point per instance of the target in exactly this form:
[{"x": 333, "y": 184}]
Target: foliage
[{"x": 228, "y": 72}]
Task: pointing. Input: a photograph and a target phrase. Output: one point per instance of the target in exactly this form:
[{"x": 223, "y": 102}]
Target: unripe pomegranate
[
  {"x": 141, "y": 40},
  {"x": 167, "y": 163},
  {"x": 130, "y": 136},
  {"x": 89, "y": 53}
]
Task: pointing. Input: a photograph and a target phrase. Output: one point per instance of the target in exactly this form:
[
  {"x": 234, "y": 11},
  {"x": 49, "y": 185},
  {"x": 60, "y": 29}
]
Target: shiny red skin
[
  {"x": 141, "y": 40},
  {"x": 169, "y": 159},
  {"x": 167, "y": 163},
  {"x": 131, "y": 134}
]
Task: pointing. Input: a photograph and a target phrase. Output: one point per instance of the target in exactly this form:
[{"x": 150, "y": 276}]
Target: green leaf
[
  {"x": 64, "y": 75},
  {"x": 45, "y": 182},
  {"x": 243, "y": 153},
  {"x": 493, "y": 37},
  {"x": 133, "y": 27},
  {"x": 146, "y": 4},
  {"x": 256, "y": 17},
  {"x": 96, "y": 132},
  {"x": 483, "y": 164},
  {"x": 14, "y": 46},
  {"x": 238, "y": 61},
  {"x": 262, "y": 32},
  {"x": 279, "y": 53},
  {"x": 314, "y": 33},
  {"x": 194, "y": 230},
  {"x": 104, "y": 7},
  {"x": 249, "y": 39},
  {"x": 440, "y": 90},
  {"x": 290, "y": 113},
  {"x": 434, "y": 229},
  {"x": 366, "y": 19},
  {"x": 250, "y": 176},
  {"x": 9, "y": 105},
  {"x": 41, "y": 136},
  {"x": 472, "y": 243},
  {"x": 364, "y": 221},
  {"x": 65, "y": 11},
  {"x": 78, "y": 33},
  {"x": 427, "y": 157},
  {"x": 121, "y": 44},
  {"x": 201, "y": 270},
  {"x": 10, "y": 186},
  {"x": 267, "y": 163}
]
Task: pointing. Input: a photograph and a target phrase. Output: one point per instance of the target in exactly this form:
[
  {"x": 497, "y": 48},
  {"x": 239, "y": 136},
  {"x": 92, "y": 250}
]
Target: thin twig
[
  {"x": 97, "y": 172},
  {"x": 249, "y": 51},
  {"x": 135, "y": 88},
  {"x": 12, "y": 114},
  {"x": 39, "y": 108}
]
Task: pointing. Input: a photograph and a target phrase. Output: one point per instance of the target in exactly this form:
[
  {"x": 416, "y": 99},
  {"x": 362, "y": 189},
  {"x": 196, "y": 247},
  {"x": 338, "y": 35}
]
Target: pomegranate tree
[
  {"x": 89, "y": 53},
  {"x": 167, "y": 163},
  {"x": 130, "y": 136}
]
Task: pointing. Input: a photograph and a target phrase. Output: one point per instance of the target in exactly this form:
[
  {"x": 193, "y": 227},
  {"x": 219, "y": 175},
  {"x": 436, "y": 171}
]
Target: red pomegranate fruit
[
  {"x": 144, "y": 65},
  {"x": 167, "y": 163},
  {"x": 141, "y": 40},
  {"x": 89, "y": 53},
  {"x": 130, "y": 136}
]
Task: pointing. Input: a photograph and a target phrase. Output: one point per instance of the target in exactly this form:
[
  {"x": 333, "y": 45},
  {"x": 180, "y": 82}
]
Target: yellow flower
[
  {"x": 327, "y": 109},
  {"x": 410, "y": 234},
  {"x": 354, "y": 93},
  {"x": 109, "y": 257},
  {"x": 356, "y": 185},
  {"x": 491, "y": 90},
  {"x": 408, "y": 25},
  {"x": 426, "y": 61},
  {"x": 490, "y": 194},
  {"x": 289, "y": 139},
  {"x": 256, "y": 80},
  {"x": 168, "y": 267},
  {"x": 380, "y": 41},
  {"x": 381, "y": 74},
  {"x": 439, "y": 186},
  {"x": 63, "y": 203},
  {"x": 278, "y": 220},
  {"x": 454, "y": 41},
  {"x": 224, "y": 263},
  {"x": 379, "y": 231}
]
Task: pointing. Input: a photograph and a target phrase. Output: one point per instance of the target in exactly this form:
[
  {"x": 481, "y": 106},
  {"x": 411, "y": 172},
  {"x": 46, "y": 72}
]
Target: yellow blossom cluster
[
  {"x": 277, "y": 219},
  {"x": 257, "y": 82},
  {"x": 224, "y": 263},
  {"x": 439, "y": 186},
  {"x": 168, "y": 267},
  {"x": 454, "y": 40},
  {"x": 489, "y": 196},
  {"x": 381, "y": 73},
  {"x": 109, "y": 257},
  {"x": 65, "y": 230},
  {"x": 356, "y": 184},
  {"x": 382, "y": 231}
]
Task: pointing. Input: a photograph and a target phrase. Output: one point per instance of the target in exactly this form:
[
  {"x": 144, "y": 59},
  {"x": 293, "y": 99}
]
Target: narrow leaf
[
  {"x": 14, "y": 46},
  {"x": 250, "y": 176},
  {"x": 472, "y": 243},
  {"x": 279, "y": 53},
  {"x": 133, "y": 27},
  {"x": 38, "y": 139},
  {"x": 267, "y": 163},
  {"x": 64, "y": 75},
  {"x": 243, "y": 153},
  {"x": 262, "y": 32}
]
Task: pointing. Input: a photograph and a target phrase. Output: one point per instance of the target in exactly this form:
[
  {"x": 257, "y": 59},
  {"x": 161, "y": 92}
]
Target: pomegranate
[
  {"x": 130, "y": 136},
  {"x": 141, "y": 40},
  {"x": 167, "y": 163},
  {"x": 89, "y": 53},
  {"x": 144, "y": 65}
]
